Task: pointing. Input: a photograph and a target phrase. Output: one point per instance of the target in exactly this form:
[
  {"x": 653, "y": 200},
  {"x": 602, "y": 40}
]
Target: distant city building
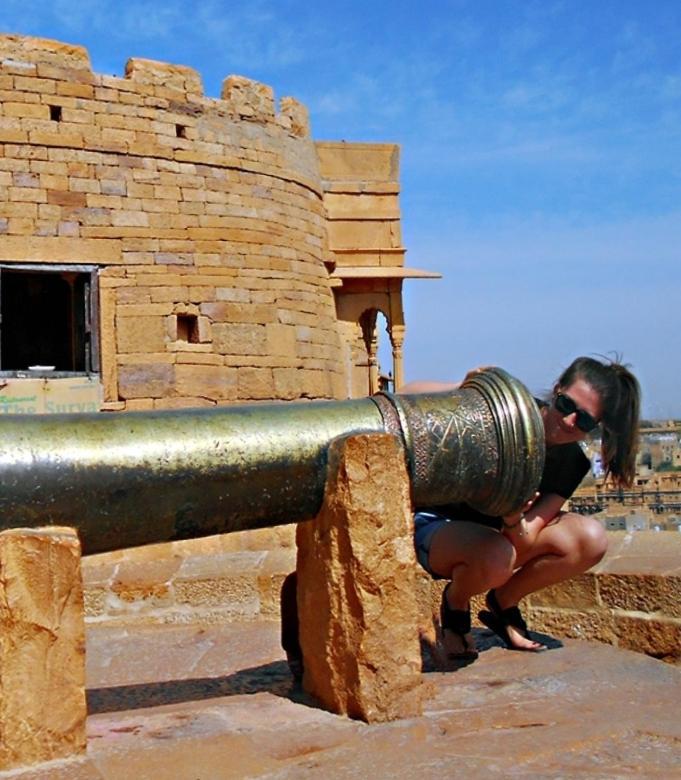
[
  {"x": 634, "y": 521},
  {"x": 597, "y": 466},
  {"x": 656, "y": 490},
  {"x": 672, "y": 523}
]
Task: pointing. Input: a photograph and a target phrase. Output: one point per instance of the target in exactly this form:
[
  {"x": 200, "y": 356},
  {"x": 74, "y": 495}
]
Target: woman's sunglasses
[{"x": 566, "y": 406}]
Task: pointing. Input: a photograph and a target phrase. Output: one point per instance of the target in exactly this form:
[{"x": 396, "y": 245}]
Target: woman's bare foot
[
  {"x": 521, "y": 642},
  {"x": 507, "y": 623}
]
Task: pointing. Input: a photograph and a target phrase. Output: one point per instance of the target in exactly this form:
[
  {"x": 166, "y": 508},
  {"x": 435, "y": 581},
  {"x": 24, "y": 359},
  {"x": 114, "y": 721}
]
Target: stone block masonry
[
  {"x": 630, "y": 599},
  {"x": 356, "y": 586},
  {"x": 203, "y": 217},
  {"x": 42, "y": 646}
]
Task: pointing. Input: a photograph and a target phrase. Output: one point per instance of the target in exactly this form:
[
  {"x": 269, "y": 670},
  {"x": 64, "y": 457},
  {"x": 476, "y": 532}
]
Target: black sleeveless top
[{"x": 564, "y": 468}]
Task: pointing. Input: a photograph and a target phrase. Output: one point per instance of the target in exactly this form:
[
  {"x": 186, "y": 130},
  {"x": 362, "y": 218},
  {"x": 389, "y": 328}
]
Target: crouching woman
[{"x": 511, "y": 557}]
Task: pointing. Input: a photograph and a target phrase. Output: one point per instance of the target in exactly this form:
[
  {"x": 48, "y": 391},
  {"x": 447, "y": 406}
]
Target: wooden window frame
[{"x": 91, "y": 311}]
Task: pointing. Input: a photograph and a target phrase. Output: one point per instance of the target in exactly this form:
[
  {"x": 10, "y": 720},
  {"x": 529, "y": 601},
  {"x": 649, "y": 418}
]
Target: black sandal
[
  {"x": 498, "y": 620},
  {"x": 458, "y": 621}
]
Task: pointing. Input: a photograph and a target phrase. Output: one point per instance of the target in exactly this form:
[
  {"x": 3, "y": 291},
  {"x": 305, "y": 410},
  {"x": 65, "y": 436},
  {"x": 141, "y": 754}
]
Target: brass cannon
[{"x": 135, "y": 478}]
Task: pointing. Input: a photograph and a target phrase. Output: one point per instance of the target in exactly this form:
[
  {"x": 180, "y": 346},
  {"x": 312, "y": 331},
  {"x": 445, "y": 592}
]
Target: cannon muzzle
[{"x": 133, "y": 478}]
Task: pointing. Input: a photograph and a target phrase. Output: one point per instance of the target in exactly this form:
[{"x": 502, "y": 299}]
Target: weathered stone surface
[
  {"x": 42, "y": 646},
  {"x": 141, "y": 334},
  {"x": 650, "y": 634},
  {"x": 23, "y": 48},
  {"x": 281, "y": 339},
  {"x": 178, "y": 77},
  {"x": 218, "y": 703},
  {"x": 340, "y": 161},
  {"x": 251, "y": 99},
  {"x": 213, "y": 382},
  {"x": 641, "y": 592},
  {"x": 356, "y": 591},
  {"x": 297, "y": 115},
  {"x": 580, "y": 624},
  {"x": 629, "y": 599},
  {"x": 621, "y": 598},
  {"x": 255, "y": 383},
  {"x": 286, "y": 382},
  {"x": 642, "y": 552},
  {"x": 578, "y": 593},
  {"x": 145, "y": 380},
  {"x": 222, "y": 576},
  {"x": 239, "y": 339},
  {"x": 227, "y": 311}
]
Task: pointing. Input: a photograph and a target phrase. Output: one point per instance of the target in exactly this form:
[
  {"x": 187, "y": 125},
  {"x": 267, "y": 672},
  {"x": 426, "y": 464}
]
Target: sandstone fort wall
[{"x": 204, "y": 218}]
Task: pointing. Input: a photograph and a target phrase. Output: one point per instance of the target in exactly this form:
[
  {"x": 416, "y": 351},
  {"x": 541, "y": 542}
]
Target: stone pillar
[
  {"x": 397, "y": 341},
  {"x": 42, "y": 646},
  {"x": 356, "y": 586},
  {"x": 372, "y": 354},
  {"x": 368, "y": 324}
]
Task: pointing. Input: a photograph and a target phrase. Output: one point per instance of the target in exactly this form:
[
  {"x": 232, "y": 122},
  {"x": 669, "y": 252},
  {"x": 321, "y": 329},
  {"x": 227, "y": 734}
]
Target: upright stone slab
[
  {"x": 42, "y": 646},
  {"x": 356, "y": 586}
]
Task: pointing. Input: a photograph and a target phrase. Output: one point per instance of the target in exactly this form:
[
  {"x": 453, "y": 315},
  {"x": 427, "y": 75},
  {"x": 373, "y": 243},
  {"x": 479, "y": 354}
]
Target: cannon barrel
[{"x": 127, "y": 479}]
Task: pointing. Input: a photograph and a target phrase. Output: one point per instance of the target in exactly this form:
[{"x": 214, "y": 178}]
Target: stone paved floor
[{"x": 211, "y": 702}]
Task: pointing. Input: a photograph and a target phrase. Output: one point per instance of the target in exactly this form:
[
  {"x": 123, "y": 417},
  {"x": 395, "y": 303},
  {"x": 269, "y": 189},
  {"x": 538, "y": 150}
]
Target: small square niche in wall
[{"x": 188, "y": 328}]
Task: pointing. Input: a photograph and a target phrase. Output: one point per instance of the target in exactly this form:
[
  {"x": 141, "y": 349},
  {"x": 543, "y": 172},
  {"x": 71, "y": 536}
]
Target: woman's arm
[
  {"x": 428, "y": 387},
  {"x": 437, "y": 387}
]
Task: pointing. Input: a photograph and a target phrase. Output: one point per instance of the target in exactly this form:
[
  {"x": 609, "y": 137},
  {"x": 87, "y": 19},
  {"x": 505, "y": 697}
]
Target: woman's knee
[
  {"x": 589, "y": 540},
  {"x": 487, "y": 555},
  {"x": 595, "y": 540},
  {"x": 495, "y": 561}
]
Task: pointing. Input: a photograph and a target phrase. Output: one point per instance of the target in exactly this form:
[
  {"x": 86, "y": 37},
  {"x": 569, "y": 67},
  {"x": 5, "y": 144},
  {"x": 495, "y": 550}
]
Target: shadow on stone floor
[
  {"x": 272, "y": 678},
  {"x": 484, "y": 640}
]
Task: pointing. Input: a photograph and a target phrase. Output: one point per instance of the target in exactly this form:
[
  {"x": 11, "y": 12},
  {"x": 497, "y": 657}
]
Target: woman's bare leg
[
  {"x": 474, "y": 558},
  {"x": 567, "y": 546}
]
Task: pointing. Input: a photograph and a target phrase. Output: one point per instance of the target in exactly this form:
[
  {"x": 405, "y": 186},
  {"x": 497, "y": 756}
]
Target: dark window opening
[
  {"x": 55, "y": 113},
  {"x": 188, "y": 328},
  {"x": 180, "y": 131},
  {"x": 46, "y": 321}
]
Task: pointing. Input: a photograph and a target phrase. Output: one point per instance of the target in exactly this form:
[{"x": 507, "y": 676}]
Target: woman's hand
[
  {"x": 535, "y": 515},
  {"x": 515, "y": 526},
  {"x": 475, "y": 371}
]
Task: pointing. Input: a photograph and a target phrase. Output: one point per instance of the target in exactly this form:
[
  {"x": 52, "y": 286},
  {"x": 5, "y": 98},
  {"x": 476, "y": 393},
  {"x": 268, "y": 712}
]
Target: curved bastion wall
[{"x": 202, "y": 218}]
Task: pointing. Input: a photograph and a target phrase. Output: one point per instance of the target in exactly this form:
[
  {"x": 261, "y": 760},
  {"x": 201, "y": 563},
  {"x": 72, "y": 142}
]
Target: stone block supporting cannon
[{"x": 135, "y": 478}]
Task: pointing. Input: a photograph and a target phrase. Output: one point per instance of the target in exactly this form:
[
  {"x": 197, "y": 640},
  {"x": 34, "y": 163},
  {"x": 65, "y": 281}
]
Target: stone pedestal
[
  {"x": 42, "y": 646},
  {"x": 356, "y": 586}
]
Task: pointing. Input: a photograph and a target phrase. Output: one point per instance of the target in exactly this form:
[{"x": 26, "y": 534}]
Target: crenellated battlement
[
  {"x": 50, "y": 96},
  {"x": 27, "y": 51}
]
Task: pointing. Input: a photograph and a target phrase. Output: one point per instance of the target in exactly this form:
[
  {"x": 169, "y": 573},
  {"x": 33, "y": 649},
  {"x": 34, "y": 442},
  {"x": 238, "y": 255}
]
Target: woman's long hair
[{"x": 620, "y": 396}]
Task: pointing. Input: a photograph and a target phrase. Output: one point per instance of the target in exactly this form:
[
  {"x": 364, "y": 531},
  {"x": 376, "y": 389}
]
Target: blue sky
[{"x": 541, "y": 155}]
